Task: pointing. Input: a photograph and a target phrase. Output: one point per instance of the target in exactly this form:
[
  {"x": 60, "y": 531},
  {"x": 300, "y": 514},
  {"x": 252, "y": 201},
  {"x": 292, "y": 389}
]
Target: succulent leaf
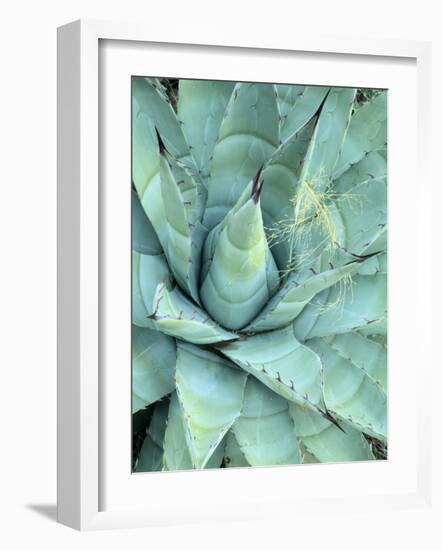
[
  {"x": 176, "y": 315},
  {"x": 363, "y": 213},
  {"x": 176, "y": 453},
  {"x": 365, "y": 354},
  {"x": 157, "y": 426},
  {"x": 242, "y": 274},
  {"x": 350, "y": 393},
  {"x": 171, "y": 198},
  {"x": 153, "y": 366},
  {"x": 201, "y": 107},
  {"x": 282, "y": 363},
  {"x": 150, "y": 458},
  {"x": 372, "y": 166},
  {"x": 259, "y": 274},
  {"x": 288, "y": 303},
  {"x": 138, "y": 404},
  {"x": 146, "y": 170},
  {"x": 144, "y": 238},
  {"x": 340, "y": 309},
  {"x": 367, "y": 132},
  {"x": 152, "y": 106},
  {"x": 287, "y": 95},
  {"x": 324, "y": 148},
  {"x": 265, "y": 431},
  {"x": 325, "y": 441},
  {"x": 147, "y": 273},
  {"x": 178, "y": 243},
  {"x": 304, "y": 108},
  {"x": 210, "y": 390},
  {"x": 248, "y": 135},
  {"x": 281, "y": 177},
  {"x": 233, "y": 456}
]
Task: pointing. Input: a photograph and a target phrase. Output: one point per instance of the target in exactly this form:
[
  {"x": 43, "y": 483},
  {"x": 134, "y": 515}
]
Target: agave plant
[{"x": 259, "y": 274}]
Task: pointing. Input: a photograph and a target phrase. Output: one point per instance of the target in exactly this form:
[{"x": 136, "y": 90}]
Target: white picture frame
[{"x": 95, "y": 487}]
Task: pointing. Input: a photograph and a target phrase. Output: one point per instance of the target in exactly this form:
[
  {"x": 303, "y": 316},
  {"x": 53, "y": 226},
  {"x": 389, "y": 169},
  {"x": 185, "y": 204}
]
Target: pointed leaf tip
[
  {"x": 364, "y": 257},
  {"x": 332, "y": 419},
  {"x": 161, "y": 146},
  {"x": 257, "y": 188}
]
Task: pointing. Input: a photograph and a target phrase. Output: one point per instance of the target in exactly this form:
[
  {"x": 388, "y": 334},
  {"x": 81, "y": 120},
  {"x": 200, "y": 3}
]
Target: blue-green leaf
[
  {"x": 265, "y": 431},
  {"x": 325, "y": 441},
  {"x": 242, "y": 274},
  {"x": 177, "y": 241},
  {"x": 150, "y": 458},
  {"x": 248, "y": 135},
  {"x": 367, "y": 132},
  {"x": 372, "y": 166},
  {"x": 176, "y": 315},
  {"x": 363, "y": 215},
  {"x": 367, "y": 355},
  {"x": 287, "y": 95},
  {"x": 153, "y": 366},
  {"x": 176, "y": 453},
  {"x": 350, "y": 393},
  {"x": 282, "y": 363},
  {"x": 144, "y": 238},
  {"x": 201, "y": 108},
  {"x": 296, "y": 293},
  {"x": 233, "y": 456},
  {"x": 343, "y": 308},
  {"x": 304, "y": 108},
  {"x": 210, "y": 390},
  {"x": 323, "y": 151},
  {"x": 280, "y": 178},
  {"x": 147, "y": 273},
  {"x": 153, "y": 106}
]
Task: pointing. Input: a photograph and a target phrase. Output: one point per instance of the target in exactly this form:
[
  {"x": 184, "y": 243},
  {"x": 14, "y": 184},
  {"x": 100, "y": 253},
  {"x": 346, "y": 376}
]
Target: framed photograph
[{"x": 233, "y": 265}]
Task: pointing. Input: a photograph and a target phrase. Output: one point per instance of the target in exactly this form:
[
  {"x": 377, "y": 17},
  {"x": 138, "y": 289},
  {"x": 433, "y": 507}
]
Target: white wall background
[{"x": 28, "y": 265}]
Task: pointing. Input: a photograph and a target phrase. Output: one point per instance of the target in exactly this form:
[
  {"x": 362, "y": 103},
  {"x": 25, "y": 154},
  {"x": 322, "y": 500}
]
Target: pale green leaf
[
  {"x": 144, "y": 238},
  {"x": 325, "y": 441},
  {"x": 281, "y": 176},
  {"x": 234, "y": 457},
  {"x": 287, "y": 95},
  {"x": 288, "y": 303},
  {"x": 147, "y": 273},
  {"x": 176, "y": 454},
  {"x": 201, "y": 107},
  {"x": 248, "y": 135},
  {"x": 150, "y": 458},
  {"x": 350, "y": 393},
  {"x": 367, "y": 132},
  {"x": 304, "y": 108},
  {"x": 176, "y": 315},
  {"x": 153, "y": 366},
  {"x": 363, "y": 215},
  {"x": 210, "y": 390},
  {"x": 282, "y": 363},
  {"x": 177, "y": 240},
  {"x": 154, "y": 106},
  {"x": 343, "y": 308},
  {"x": 365, "y": 354},
  {"x": 265, "y": 431},
  {"x": 372, "y": 166},
  {"x": 242, "y": 274},
  {"x": 328, "y": 136}
]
